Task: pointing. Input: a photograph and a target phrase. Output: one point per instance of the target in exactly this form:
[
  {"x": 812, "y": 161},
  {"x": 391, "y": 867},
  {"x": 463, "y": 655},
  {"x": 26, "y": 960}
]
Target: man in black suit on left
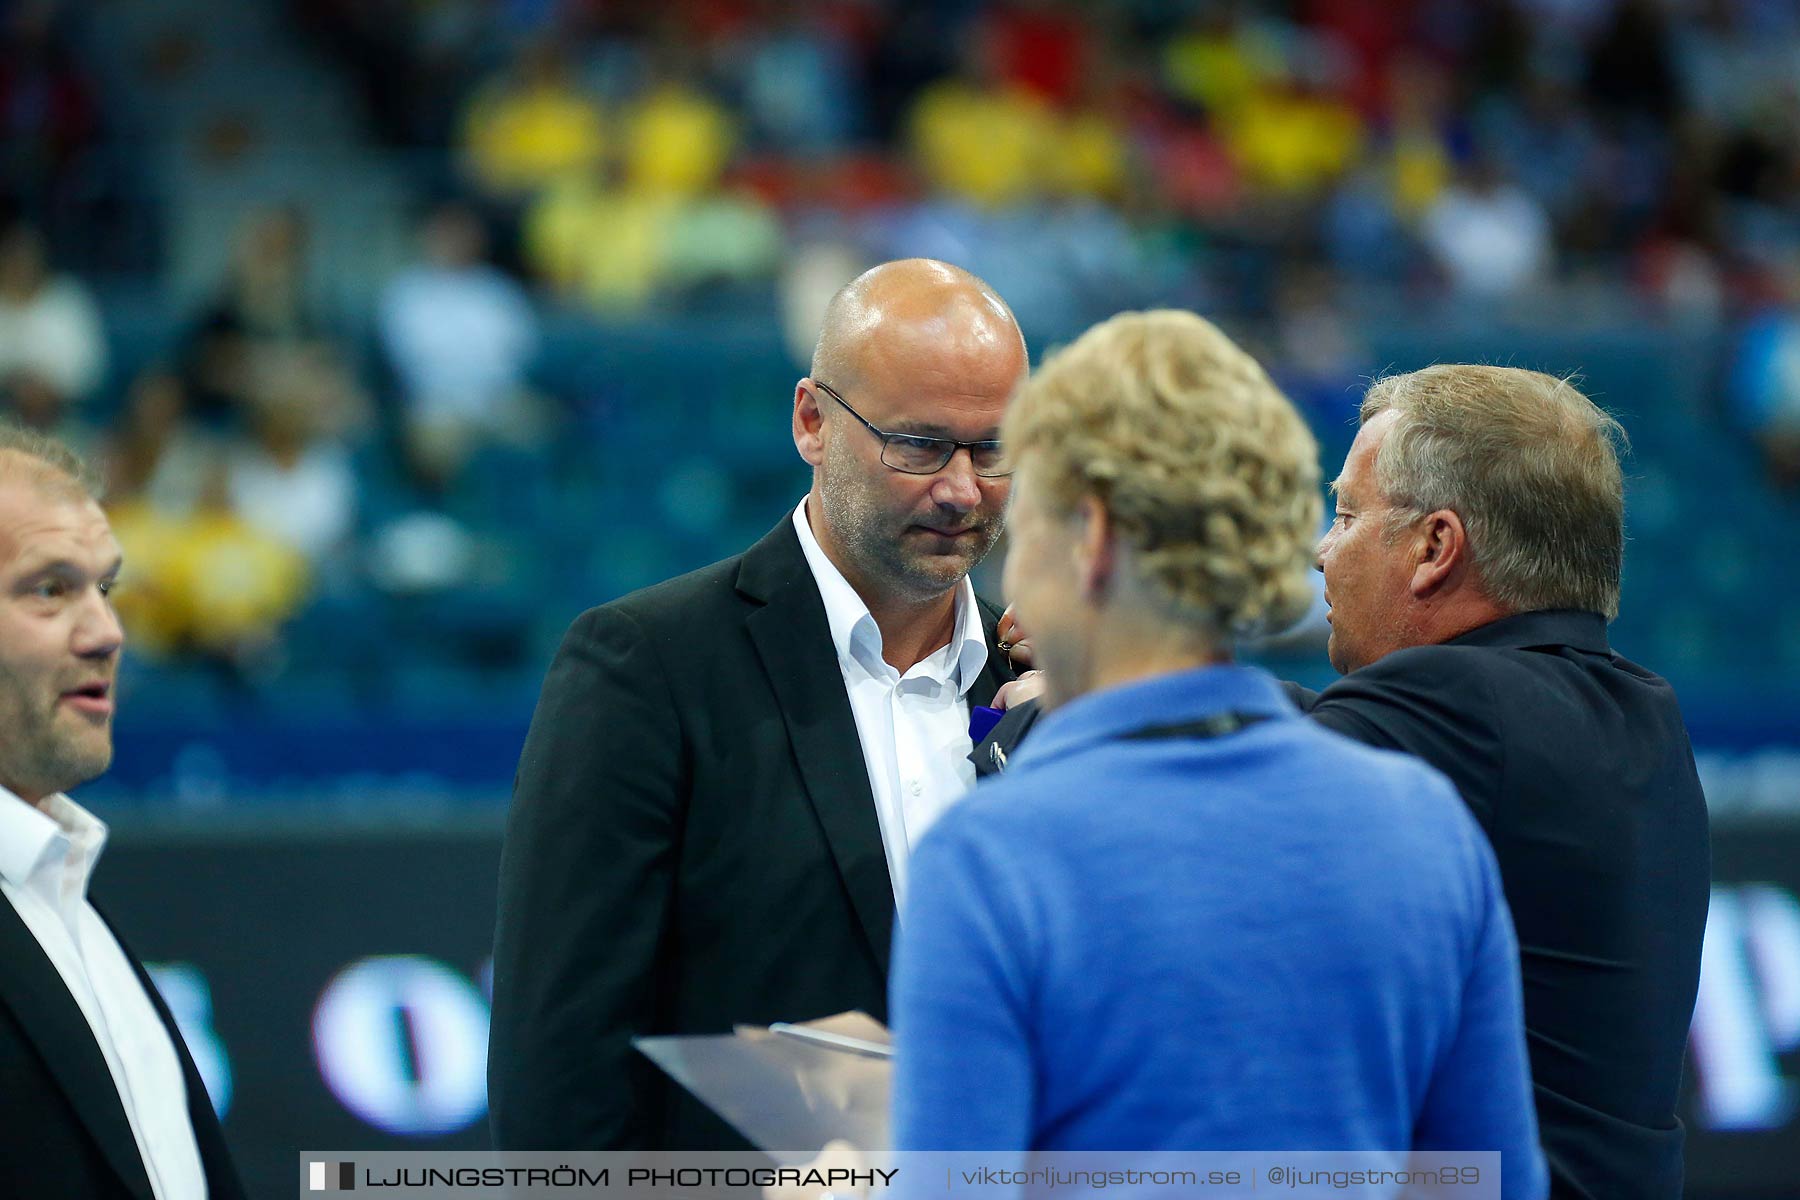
[
  {"x": 726, "y": 772},
  {"x": 98, "y": 1097}
]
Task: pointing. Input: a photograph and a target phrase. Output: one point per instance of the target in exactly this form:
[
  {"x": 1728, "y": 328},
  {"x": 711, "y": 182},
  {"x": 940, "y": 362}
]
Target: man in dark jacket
[
  {"x": 1471, "y": 569},
  {"x": 726, "y": 772}
]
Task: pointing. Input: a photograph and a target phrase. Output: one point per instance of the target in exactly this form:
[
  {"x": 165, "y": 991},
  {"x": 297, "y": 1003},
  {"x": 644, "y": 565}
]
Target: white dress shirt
[
  {"x": 914, "y": 728},
  {"x": 46, "y": 859}
]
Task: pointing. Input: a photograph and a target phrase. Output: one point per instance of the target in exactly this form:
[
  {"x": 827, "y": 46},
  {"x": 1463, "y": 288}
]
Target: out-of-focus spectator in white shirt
[
  {"x": 52, "y": 348},
  {"x": 293, "y": 478},
  {"x": 1488, "y": 235},
  {"x": 460, "y": 335}
]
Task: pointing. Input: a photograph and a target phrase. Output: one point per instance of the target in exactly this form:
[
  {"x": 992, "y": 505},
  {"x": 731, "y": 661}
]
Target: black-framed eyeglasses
[{"x": 914, "y": 454}]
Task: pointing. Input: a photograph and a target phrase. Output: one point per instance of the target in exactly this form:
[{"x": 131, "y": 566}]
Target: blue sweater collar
[{"x": 1177, "y": 697}]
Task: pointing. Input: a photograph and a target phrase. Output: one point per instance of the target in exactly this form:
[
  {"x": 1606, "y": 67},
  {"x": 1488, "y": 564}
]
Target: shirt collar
[
  {"x": 851, "y": 622},
  {"x": 28, "y": 833},
  {"x": 1545, "y": 627},
  {"x": 1175, "y": 698}
]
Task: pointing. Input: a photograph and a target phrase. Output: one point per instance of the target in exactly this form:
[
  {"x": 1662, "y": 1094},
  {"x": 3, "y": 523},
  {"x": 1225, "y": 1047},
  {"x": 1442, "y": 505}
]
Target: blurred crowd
[
  {"x": 1274, "y": 164},
  {"x": 1481, "y": 148},
  {"x": 1226, "y": 155}
]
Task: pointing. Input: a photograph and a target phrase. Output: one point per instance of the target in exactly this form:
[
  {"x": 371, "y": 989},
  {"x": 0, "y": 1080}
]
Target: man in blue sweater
[{"x": 1186, "y": 918}]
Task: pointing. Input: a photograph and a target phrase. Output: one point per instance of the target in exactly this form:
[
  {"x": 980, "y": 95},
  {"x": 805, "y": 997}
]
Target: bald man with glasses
[{"x": 727, "y": 772}]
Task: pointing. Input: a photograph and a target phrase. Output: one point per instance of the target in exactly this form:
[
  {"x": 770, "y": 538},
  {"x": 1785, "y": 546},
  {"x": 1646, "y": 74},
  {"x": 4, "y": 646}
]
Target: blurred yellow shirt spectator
[
  {"x": 1219, "y": 69},
  {"x": 989, "y": 146},
  {"x": 677, "y": 142},
  {"x": 521, "y": 136},
  {"x": 143, "y": 598},
  {"x": 601, "y": 246},
  {"x": 611, "y": 249},
  {"x": 1420, "y": 170},
  {"x": 207, "y": 579},
  {"x": 1089, "y": 156},
  {"x": 1292, "y": 143}
]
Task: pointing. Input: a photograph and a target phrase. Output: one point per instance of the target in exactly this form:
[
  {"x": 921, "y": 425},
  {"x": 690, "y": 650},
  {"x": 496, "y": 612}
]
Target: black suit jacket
[
  {"x": 692, "y": 844},
  {"x": 1577, "y": 764},
  {"x": 63, "y": 1128}
]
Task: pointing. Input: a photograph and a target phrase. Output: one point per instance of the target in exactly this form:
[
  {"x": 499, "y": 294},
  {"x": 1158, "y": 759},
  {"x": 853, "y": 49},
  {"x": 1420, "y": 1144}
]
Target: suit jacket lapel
[
  {"x": 31, "y": 987},
  {"x": 222, "y": 1181},
  {"x": 794, "y": 640}
]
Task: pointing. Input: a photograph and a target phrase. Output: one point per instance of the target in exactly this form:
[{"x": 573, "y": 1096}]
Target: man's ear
[
  {"x": 809, "y": 422},
  {"x": 1441, "y": 549},
  {"x": 1096, "y": 546}
]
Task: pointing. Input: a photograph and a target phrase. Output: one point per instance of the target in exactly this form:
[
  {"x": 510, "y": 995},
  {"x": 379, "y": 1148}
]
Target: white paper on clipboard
[{"x": 789, "y": 1088}]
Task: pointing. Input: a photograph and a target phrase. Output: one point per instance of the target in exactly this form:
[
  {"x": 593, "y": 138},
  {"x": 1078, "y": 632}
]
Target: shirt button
[{"x": 917, "y": 787}]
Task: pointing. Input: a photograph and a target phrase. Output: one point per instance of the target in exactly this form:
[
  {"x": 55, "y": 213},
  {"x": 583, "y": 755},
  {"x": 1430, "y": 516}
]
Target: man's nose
[
  {"x": 956, "y": 485},
  {"x": 1319, "y": 553},
  {"x": 98, "y": 633}
]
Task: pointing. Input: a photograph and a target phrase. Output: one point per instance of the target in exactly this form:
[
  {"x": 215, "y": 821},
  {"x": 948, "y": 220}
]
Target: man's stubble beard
[
  {"x": 874, "y": 539},
  {"x": 39, "y": 757}
]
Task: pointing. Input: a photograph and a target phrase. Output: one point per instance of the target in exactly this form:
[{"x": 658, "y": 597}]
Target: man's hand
[
  {"x": 1028, "y": 686},
  {"x": 1014, "y": 640},
  {"x": 1017, "y": 644}
]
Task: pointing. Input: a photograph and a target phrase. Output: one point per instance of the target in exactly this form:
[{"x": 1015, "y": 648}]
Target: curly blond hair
[{"x": 1200, "y": 461}]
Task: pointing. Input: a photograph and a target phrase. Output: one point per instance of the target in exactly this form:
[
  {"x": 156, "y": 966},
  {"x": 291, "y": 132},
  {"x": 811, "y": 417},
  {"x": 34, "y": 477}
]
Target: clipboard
[{"x": 789, "y": 1088}]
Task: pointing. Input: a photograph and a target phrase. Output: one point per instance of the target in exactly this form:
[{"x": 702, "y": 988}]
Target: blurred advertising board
[{"x": 333, "y": 982}]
